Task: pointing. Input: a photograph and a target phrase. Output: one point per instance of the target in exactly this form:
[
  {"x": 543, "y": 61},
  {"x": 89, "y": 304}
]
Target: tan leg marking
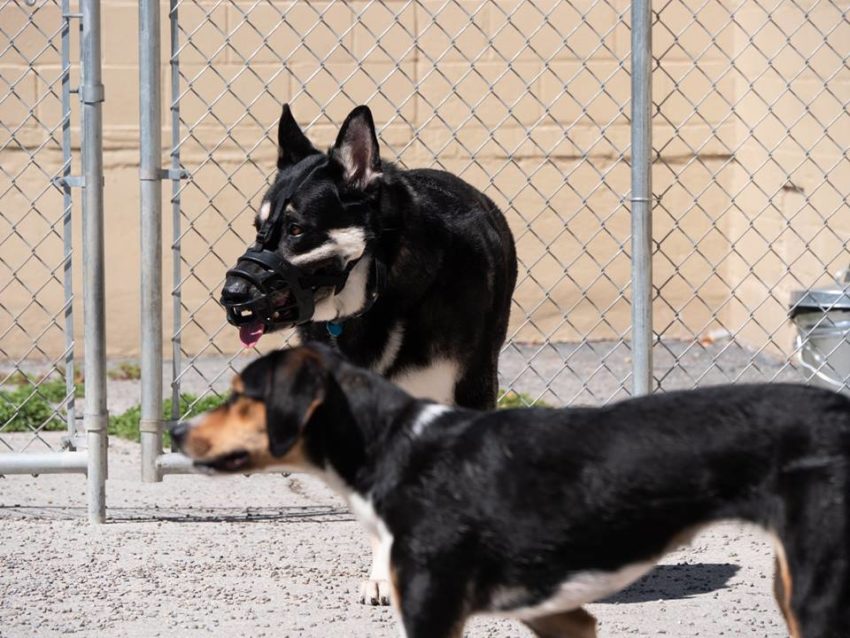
[
  {"x": 395, "y": 597},
  {"x": 782, "y": 588},
  {"x": 571, "y": 624}
]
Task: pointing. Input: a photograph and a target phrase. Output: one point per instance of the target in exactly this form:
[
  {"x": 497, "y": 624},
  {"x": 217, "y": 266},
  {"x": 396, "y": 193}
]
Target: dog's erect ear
[
  {"x": 292, "y": 145},
  {"x": 356, "y": 148},
  {"x": 297, "y": 387}
]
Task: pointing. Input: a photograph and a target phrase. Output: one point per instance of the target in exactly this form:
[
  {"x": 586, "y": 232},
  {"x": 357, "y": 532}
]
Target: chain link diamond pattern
[
  {"x": 35, "y": 306},
  {"x": 526, "y": 100},
  {"x": 529, "y": 101},
  {"x": 751, "y": 178}
]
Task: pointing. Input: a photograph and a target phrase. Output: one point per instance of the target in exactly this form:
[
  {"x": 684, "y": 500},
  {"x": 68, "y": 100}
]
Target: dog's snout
[
  {"x": 178, "y": 432},
  {"x": 236, "y": 290}
]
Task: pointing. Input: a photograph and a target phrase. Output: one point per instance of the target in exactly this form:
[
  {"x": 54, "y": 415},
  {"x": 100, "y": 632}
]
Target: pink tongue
[{"x": 250, "y": 334}]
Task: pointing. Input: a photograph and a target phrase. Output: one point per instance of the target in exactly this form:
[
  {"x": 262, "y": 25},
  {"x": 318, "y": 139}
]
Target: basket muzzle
[{"x": 283, "y": 294}]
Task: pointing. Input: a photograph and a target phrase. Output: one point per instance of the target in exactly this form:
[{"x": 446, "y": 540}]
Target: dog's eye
[{"x": 294, "y": 230}]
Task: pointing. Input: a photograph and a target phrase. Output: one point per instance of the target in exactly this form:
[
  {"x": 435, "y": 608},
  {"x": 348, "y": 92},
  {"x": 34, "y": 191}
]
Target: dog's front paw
[{"x": 375, "y": 592}]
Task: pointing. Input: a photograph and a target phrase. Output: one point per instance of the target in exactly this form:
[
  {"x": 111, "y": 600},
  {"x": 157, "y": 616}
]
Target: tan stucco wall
[{"x": 547, "y": 143}]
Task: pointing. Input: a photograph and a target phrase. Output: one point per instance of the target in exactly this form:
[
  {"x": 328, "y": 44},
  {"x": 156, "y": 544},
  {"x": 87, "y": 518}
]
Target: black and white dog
[
  {"x": 532, "y": 513},
  {"x": 408, "y": 273}
]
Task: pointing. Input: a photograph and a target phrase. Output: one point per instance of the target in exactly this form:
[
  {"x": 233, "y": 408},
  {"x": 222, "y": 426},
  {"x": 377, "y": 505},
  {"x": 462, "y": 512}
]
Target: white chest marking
[
  {"x": 390, "y": 352},
  {"x": 350, "y": 300},
  {"x": 580, "y": 589},
  {"x": 343, "y": 243},
  {"x": 435, "y": 381},
  {"x": 427, "y": 416}
]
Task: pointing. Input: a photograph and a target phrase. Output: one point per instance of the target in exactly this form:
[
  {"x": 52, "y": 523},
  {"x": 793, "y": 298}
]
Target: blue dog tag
[{"x": 334, "y": 329}]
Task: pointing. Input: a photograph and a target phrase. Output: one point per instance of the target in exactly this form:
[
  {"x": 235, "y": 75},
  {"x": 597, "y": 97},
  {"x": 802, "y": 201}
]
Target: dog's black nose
[
  {"x": 178, "y": 432},
  {"x": 236, "y": 290}
]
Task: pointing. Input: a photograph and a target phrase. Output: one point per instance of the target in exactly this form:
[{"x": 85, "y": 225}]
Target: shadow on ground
[
  {"x": 311, "y": 514},
  {"x": 673, "y": 582}
]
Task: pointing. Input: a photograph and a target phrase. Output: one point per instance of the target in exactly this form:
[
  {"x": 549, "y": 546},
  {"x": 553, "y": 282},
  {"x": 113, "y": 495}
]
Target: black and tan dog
[{"x": 532, "y": 513}]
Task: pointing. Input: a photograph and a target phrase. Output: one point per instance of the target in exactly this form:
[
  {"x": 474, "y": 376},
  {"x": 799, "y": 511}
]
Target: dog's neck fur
[{"x": 355, "y": 425}]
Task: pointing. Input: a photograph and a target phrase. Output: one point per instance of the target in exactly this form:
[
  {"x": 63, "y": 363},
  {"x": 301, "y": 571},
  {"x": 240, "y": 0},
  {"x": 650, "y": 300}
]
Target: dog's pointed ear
[
  {"x": 297, "y": 387},
  {"x": 356, "y": 148},
  {"x": 292, "y": 145}
]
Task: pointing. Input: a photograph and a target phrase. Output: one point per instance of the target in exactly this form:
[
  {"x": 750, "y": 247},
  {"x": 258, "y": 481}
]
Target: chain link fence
[
  {"x": 36, "y": 294},
  {"x": 528, "y": 101},
  {"x": 39, "y": 227},
  {"x": 751, "y": 180}
]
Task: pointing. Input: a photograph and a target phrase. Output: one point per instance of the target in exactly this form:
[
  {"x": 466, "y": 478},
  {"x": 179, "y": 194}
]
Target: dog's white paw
[{"x": 375, "y": 592}]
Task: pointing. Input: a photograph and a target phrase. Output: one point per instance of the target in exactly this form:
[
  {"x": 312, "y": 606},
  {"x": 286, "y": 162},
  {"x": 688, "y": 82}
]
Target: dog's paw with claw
[{"x": 375, "y": 592}]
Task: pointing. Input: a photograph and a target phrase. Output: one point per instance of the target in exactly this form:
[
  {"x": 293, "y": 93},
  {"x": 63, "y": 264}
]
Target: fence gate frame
[{"x": 90, "y": 454}]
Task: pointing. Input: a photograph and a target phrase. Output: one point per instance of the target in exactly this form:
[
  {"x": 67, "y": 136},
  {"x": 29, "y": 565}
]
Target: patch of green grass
[
  {"x": 17, "y": 378},
  {"x": 125, "y": 372},
  {"x": 33, "y": 403},
  {"x": 23, "y": 410},
  {"x": 54, "y": 390},
  {"x": 513, "y": 399},
  {"x": 50, "y": 389},
  {"x": 126, "y": 425}
]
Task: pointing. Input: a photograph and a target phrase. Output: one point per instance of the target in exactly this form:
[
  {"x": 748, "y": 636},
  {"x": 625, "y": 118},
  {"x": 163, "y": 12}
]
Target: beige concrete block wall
[
  {"x": 533, "y": 110},
  {"x": 792, "y": 184}
]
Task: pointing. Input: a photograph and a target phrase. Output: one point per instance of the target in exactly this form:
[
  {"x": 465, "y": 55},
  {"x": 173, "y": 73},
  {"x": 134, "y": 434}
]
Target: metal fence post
[
  {"x": 150, "y": 166},
  {"x": 641, "y": 200},
  {"x": 176, "y": 223},
  {"x": 74, "y": 434},
  {"x": 91, "y": 96}
]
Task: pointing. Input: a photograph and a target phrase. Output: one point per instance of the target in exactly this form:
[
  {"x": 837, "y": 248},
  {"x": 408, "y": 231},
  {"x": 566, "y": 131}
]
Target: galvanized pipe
[
  {"x": 67, "y": 225},
  {"x": 150, "y": 176},
  {"x": 176, "y": 274},
  {"x": 176, "y": 463},
  {"x": 641, "y": 199},
  {"x": 45, "y": 463},
  {"x": 96, "y": 417}
]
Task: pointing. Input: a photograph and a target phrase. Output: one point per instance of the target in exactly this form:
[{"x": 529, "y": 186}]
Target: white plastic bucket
[{"x": 822, "y": 317}]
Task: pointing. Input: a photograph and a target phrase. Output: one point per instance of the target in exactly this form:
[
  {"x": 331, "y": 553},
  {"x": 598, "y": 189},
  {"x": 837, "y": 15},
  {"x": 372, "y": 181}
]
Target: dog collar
[{"x": 379, "y": 276}]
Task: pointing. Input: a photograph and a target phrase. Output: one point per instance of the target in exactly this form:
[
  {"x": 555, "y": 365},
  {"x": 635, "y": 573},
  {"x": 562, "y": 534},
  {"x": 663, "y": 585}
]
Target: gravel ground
[
  {"x": 280, "y": 556},
  {"x": 273, "y": 555}
]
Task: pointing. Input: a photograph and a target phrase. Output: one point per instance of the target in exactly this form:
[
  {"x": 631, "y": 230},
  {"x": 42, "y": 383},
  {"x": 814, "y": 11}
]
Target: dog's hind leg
[
  {"x": 571, "y": 624},
  {"x": 782, "y": 590},
  {"x": 812, "y": 580}
]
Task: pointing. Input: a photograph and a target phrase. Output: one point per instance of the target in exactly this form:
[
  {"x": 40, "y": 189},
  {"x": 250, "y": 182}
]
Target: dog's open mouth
[
  {"x": 233, "y": 462},
  {"x": 284, "y": 312}
]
